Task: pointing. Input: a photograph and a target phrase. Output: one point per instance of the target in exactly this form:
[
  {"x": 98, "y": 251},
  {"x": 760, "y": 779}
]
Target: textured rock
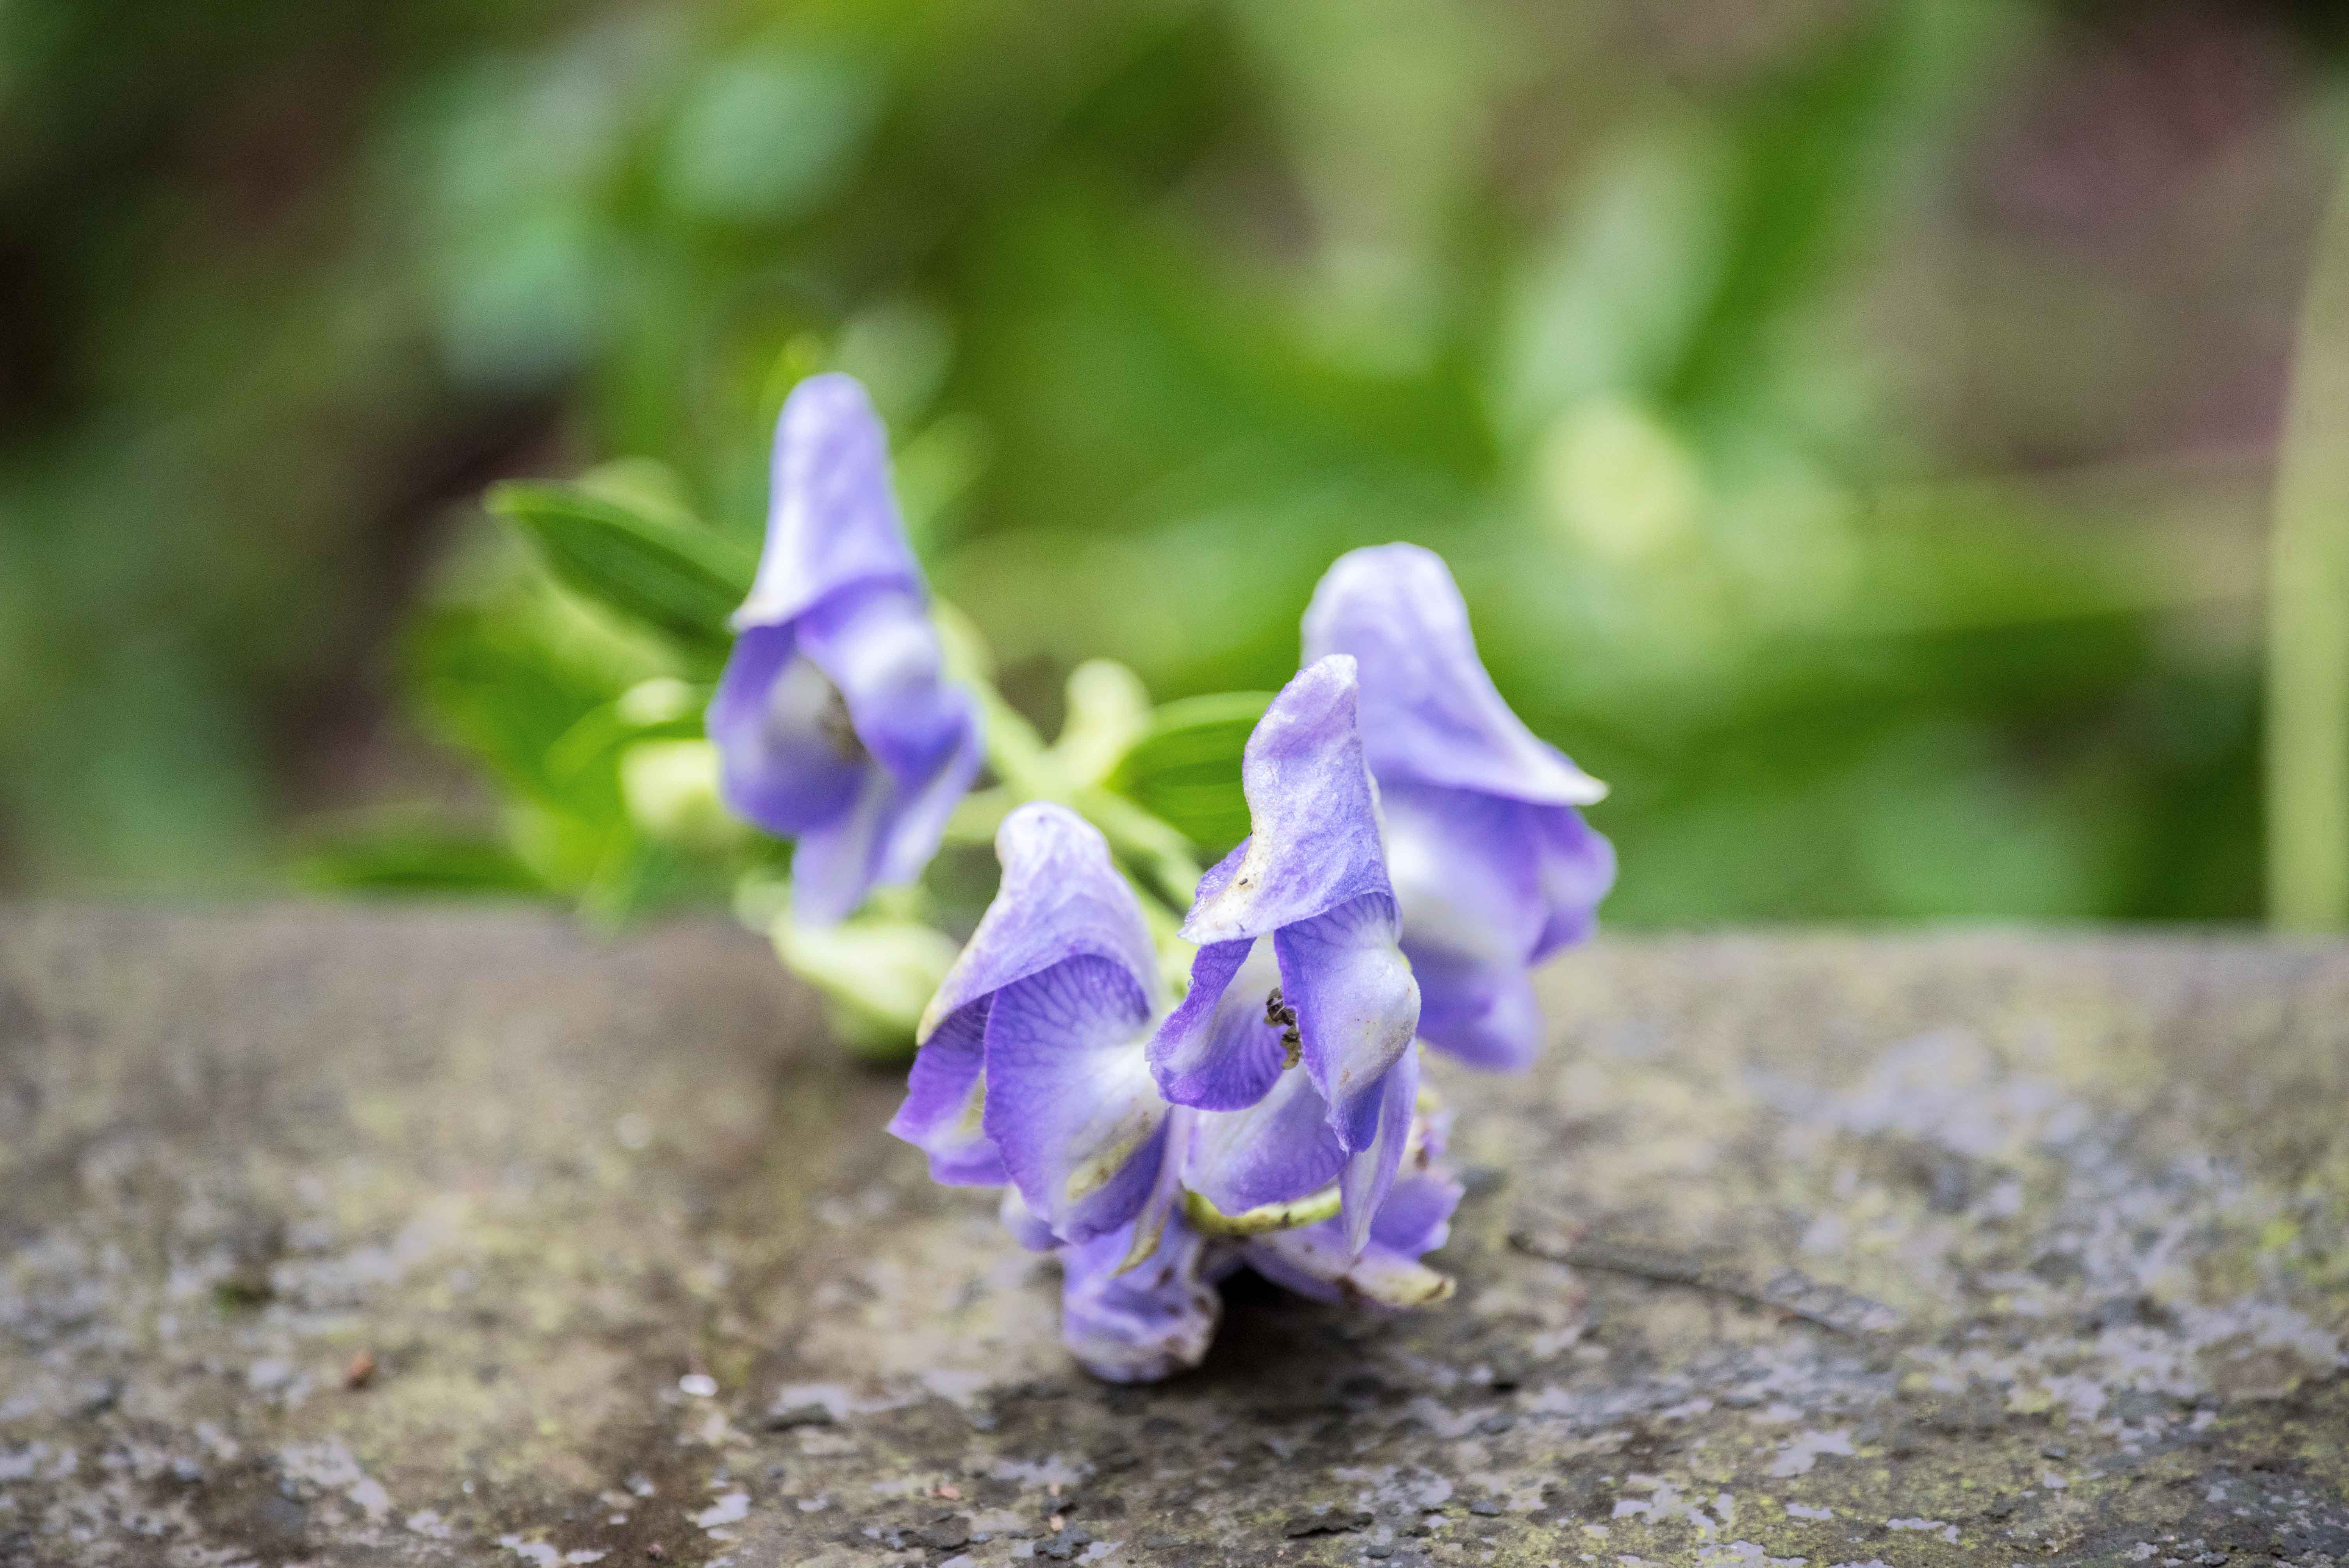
[{"x": 335, "y": 1236}]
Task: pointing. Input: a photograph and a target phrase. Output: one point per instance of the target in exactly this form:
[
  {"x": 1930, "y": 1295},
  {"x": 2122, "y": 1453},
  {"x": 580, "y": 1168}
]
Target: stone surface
[{"x": 338, "y": 1237}]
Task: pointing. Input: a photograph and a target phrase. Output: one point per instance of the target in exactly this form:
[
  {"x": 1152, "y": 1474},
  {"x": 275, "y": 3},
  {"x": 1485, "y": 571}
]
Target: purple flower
[
  {"x": 832, "y": 723},
  {"x": 1034, "y": 1071},
  {"x": 1299, "y": 960},
  {"x": 1493, "y": 867},
  {"x": 1031, "y": 1068}
]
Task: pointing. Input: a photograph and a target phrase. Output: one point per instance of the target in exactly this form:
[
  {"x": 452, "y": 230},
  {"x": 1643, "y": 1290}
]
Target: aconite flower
[
  {"x": 1493, "y": 867},
  {"x": 834, "y": 723},
  {"x": 1299, "y": 962},
  {"x": 1033, "y": 1072}
]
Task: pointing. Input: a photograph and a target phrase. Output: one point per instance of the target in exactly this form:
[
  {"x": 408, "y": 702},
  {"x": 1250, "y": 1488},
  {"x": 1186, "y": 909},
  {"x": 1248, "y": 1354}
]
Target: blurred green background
[{"x": 1852, "y": 421}]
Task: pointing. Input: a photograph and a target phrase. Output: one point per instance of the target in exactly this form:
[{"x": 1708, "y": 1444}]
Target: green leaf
[
  {"x": 1184, "y": 768},
  {"x": 657, "y": 567}
]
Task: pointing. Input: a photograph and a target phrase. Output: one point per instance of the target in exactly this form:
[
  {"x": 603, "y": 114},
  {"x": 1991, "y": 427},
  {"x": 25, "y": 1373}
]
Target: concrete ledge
[{"x": 345, "y": 1236}]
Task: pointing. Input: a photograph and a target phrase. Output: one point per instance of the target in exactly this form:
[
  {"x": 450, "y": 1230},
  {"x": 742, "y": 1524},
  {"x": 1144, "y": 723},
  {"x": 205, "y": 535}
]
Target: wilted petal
[
  {"x": 1070, "y": 1099},
  {"x": 1429, "y": 710},
  {"x": 1312, "y": 810},
  {"x": 946, "y": 1101},
  {"x": 1356, "y": 1004},
  {"x": 1140, "y": 1324},
  {"x": 1216, "y": 1050},
  {"x": 831, "y": 518},
  {"x": 1316, "y": 1262}
]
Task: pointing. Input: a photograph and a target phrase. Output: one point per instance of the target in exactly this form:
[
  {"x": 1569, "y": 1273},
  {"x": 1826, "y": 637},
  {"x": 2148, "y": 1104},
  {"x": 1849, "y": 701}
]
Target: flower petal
[
  {"x": 1313, "y": 811},
  {"x": 1061, "y": 897},
  {"x": 786, "y": 761},
  {"x": 1578, "y": 868},
  {"x": 830, "y": 519},
  {"x": 1141, "y": 1324},
  {"x": 1485, "y": 886},
  {"x": 1357, "y": 1006},
  {"x": 945, "y": 1100},
  {"x": 1430, "y": 712},
  {"x": 1370, "y": 1173},
  {"x": 1275, "y": 1151},
  {"x": 1070, "y": 1099},
  {"x": 1316, "y": 1262},
  {"x": 1416, "y": 1218},
  {"x": 874, "y": 643},
  {"x": 1216, "y": 1050},
  {"x": 1484, "y": 1013},
  {"x": 1026, "y": 1229}
]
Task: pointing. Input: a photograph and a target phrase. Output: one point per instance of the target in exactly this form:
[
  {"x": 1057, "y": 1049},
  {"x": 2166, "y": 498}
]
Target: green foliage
[
  {"x": 1184, "y": 766},
  {"x": 673, "y": 576},
  {"x": 1793, "y": 489}
]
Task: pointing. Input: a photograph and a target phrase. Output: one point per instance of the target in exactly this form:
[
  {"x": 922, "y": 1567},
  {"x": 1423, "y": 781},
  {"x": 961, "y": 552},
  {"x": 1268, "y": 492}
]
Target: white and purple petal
[
  {"x": 1369, "y": 1174},
  {"x": 1357, "y": 1005},
  {"x": 830, "y": 519},
  {"x": 1219, "y": 1050},
  {"x": 788, "y": 758},
  {"x": 1430, "y": 711},
  {"x": 1276, "y": 1150},
  {"x": 1577, "y": 867},
  {"x": 946, "y": 1097},
  {"x": 1061, "y": 897},
  {"x": 1312, "y": 810},
  {"x": 1069, "y": 1100}
]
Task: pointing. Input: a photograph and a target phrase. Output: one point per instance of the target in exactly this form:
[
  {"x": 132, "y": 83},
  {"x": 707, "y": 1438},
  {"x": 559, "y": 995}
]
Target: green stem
[{"x": 2308, "y": 614}]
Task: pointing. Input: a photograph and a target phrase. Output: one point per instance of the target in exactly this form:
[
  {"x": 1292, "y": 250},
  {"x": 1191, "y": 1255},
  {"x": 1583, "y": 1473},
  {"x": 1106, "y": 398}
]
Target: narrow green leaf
[
  {"x": 677, "y": 577},
  {"x": 2308, "y": 615},
  {"x": 1184, "y": 768}
]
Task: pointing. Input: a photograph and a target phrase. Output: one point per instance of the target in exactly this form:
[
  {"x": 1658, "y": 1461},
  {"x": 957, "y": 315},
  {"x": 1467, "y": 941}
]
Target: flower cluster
[{"x": 1414, "y": 849}]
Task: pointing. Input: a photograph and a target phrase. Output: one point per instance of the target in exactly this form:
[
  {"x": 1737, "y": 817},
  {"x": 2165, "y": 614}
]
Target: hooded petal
[
  {"x": 1357, "y": 1006},
  {"x": 832, "y": 719},
  {"x": 1217, "y": 1050},
  {"x": 1429, "y": 710},
  {"x": 1312, "y": 810},
  {"x": 1140, "y": 1324},
  {"x": 1061, "y": 897},
  {"x": 830, "y": 519},
  {"x": 945, "y": 1097},
  {"x": 788, "y": 759},
  {"x": 1070, "y": 1099}
]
